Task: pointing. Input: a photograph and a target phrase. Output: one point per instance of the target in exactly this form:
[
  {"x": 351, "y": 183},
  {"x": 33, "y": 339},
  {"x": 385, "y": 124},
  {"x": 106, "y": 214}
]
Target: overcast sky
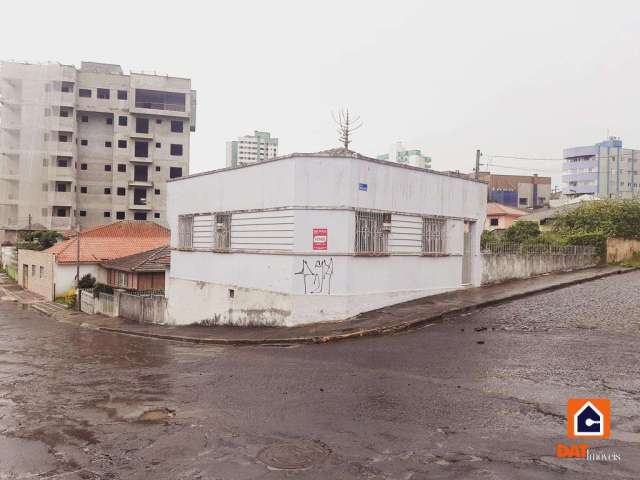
[{"x": 509, "y": 77}]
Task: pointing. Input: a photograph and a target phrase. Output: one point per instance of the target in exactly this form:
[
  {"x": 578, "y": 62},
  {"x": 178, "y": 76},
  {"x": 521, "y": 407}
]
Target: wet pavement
[{"x": 481, "y": 395}]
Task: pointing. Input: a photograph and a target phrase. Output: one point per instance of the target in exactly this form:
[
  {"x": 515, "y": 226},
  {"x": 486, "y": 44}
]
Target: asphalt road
[{"x": 478, "y": 396}]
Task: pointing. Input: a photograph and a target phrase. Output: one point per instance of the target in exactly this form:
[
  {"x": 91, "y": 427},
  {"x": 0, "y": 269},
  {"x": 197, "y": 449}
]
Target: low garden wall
[
  {"x": 620, "y": 249},
  {"x": 502, "y": 262}
]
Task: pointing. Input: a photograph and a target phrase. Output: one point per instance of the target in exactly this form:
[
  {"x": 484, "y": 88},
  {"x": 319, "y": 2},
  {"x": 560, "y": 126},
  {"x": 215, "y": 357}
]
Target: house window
[
  {"x": 433, "y": 235},
  {"x": 140, "y": 216},
  {"x": 122, "y": 121},
  {"x": 107, "y": 168},
  {"x": 523, "y": 201},
  {"x": 494, "y": 222},
  {"x": 83, "y": 189},
  {"x": 109, "y": 120},
  {"x": 185, "y": 232},
  {"x": 158, "y": 121},
  {"x": 142, "y": 149},
  {"x": 84, "y": 118},
  {"x": 177, "y": 126},
  {"x": 176, "y": 149},
  {"x": 107, "y": 191},
  {"x": 142, "y": 125},
  {"x": 84, "y": 142},
  {"x": 83, "y": 166},
  {"x": 106, "y": 214},
  {"x": 121, "y": 279},
  {"x": 156, "y": 191},
  {"x": 120, "y": 215},
  {"x": 84, "y": 92},
  {"x": 41, "y": 271},
  {"x": 83, "y": 213},
  {"x": 62, "y": 162},
  {"x": 158, "y": 145},
  {"x": 222, "y": 235},
  {"x": 156, "y": 215},
  {"x": 371, "y": 232},
  {"x": 121, "y": 191},
  {"x": 122, "y": 144},
  {"x": 107, "y": 144},
  {"x": 122, "y": 94},
  {"x": 33, "y": 270},
  {"x": 122, "y": 167},
  {"x": 103, "y": 93},
  {"x": 175, "y": 172}
]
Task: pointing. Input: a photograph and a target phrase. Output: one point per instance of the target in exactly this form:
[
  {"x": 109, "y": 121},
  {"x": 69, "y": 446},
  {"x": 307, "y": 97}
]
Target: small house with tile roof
[
  {"x": 52, "y": 272},
  {"x": 141, "y": 271},
  {"x": 501, "y": 217}
]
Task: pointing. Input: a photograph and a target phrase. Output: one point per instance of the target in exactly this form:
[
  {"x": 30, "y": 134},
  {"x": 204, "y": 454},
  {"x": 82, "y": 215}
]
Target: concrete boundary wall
[
  {"x": 498, "y": 268},
  {"x": 620, "y": 249}
]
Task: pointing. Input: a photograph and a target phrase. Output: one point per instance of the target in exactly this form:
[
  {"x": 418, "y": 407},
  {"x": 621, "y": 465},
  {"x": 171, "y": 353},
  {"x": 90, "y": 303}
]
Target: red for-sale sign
[{"x": 320, "y": 238}]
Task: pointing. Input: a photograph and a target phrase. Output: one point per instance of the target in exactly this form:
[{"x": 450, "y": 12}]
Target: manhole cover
[{"x": 293, "y": 456}]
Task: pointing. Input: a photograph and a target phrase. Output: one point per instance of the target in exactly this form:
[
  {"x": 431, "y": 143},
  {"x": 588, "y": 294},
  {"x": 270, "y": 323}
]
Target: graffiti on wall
[{"x": 316, "y": 275}]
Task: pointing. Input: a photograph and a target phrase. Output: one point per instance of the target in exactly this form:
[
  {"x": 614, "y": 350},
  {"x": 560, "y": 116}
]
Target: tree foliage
[
  {"x": 521, "y": 232},
  {"x": 40, "y": 240},
  {"x": 611, "y": 218}
]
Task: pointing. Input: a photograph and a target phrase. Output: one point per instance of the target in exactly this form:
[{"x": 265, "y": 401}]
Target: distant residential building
[
  {"x": 517, "y": 191},
  {"x": 605, "y": 169},
  {"x": 89, "y": 145},
  {"x": 501, "y": 217},
  {"x": 414, "y": 157},
  {"x": 251, "y": 149}
]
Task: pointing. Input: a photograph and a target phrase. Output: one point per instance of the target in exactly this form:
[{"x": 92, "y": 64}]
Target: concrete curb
[{"x": 380, "y": 330}]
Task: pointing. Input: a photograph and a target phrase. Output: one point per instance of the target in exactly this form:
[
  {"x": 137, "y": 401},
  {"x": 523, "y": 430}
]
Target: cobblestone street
[{"x": 477, "y": 396}]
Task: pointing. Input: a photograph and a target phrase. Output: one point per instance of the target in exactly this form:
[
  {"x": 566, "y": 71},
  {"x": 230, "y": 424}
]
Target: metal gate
[
  {"x": 105, "y": 303},
  {"x": 467, "y": 254},
  {"x": 87, "y": 302}
]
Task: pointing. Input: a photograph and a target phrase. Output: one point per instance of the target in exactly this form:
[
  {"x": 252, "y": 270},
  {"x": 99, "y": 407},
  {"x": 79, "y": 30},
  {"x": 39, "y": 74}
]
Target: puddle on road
[
  {"x": 21, "y": 457},
  {"x": 137, "y": 411}
]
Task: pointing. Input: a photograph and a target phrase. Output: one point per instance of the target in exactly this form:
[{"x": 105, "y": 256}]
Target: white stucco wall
[
  {"x": 65, "y": 275},
  {"x": 316, "y": 192}
]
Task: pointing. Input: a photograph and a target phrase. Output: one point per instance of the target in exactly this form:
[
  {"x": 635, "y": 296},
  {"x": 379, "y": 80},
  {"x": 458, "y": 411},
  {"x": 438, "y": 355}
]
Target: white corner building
[{"x": 316, "y": 237}]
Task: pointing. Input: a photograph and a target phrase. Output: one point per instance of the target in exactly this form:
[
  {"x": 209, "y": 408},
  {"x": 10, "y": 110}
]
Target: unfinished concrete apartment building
[{"x": 89, "y": 146}]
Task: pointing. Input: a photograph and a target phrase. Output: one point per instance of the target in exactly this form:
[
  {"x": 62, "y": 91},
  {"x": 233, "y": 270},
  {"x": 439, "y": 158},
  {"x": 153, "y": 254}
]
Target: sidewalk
[{"x": 386, "y": 320}]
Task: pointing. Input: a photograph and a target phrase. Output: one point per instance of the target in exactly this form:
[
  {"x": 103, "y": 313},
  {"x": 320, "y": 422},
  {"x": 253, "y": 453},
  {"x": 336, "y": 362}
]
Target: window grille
[
  {"x": 372, "y": 232},
  {"x": 433, "y": 235},
  {"x": 185, "y": 232},
  {"x": 222, "y": 233}
]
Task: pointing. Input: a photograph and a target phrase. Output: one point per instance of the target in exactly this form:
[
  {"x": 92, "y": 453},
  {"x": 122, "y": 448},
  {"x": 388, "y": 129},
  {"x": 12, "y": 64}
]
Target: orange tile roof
[
  {"x": 115, "y": 240},
  {"x": 499, "y": 209}
]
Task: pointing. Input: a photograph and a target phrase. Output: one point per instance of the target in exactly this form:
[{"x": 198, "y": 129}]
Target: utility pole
[
  {"x": 478, "y": 155},
  {"x": 29, "y": 222}
]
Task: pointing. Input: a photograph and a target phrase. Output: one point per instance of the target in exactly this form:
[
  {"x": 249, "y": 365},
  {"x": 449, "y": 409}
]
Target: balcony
[
  {"x": 61, "y": 124},
  {"x": 62, "y": 199},
  {"x": 61, "y": 223},
  {"x": 63, "y": 174},
  {"x": 140, "y": 183},
  {"x": 62, "y": 149},
  {"x": 141, "y": 136},
  {"x": 9, "y": 199},
  {"x": 140, "y": 206},
  {"x": 64, "y": 99}
]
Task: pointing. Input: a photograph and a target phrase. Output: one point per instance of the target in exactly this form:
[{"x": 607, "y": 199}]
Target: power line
[{"x": 516, "y": 157}]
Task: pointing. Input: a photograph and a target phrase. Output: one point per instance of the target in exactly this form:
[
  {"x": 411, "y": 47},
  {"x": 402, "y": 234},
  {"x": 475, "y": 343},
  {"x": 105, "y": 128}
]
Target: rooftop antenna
[{"x": 347, "y": 124}]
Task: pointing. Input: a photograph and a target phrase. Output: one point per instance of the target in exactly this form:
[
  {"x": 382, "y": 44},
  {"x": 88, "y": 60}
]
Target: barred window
[
  {"x": 433, "y": 235},
  {"x": 372, "y": 230},
  {"x": 222, "y": 233},
  {"x": 185, "y": 232}
]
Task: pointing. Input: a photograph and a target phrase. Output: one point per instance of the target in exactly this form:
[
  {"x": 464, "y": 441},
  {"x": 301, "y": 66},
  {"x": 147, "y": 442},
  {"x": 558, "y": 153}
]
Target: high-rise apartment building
[
  {"x": 414, "y": 157},
  {"x": 605, "y": 169},
  {"x": 251, "y": 149},
  {"x": 89, "y": 146}
]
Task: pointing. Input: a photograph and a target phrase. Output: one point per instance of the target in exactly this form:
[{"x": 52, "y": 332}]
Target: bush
[
  {"x": 68, "y": 298},
  {"x": 87, "y": 281},
  {"x": 102, "y": 288},
  {"x": 40, "y": 240},
  {"x": 612, "y": 218},
  {"x": 521, "y": 232},
  {"x": 597, "y": 240}
]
